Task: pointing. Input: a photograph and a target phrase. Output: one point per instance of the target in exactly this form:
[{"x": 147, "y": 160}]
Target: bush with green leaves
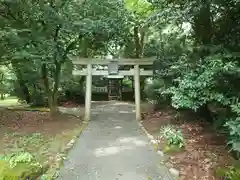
[
  {"x": 233, "y": 126},
  {"x": 204, "y": 75},
  {"x": 154, "y": 89},
  {"x": 20, "y": 157},
  {"x": 211, "y": 83},
  {"x": 201, "y": 86},
  {"x": 21, "y": 165},
  {"x": 173, "y": 136},
  {"x": 229, "y": 173},
  {"x": 233, "y": 174}
]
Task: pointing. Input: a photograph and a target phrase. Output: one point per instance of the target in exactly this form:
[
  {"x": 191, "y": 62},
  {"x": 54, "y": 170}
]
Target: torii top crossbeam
[{"x": 121, "y": 61}]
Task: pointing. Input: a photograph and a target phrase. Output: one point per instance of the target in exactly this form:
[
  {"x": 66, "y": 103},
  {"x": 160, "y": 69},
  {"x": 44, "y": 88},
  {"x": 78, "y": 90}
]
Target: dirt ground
[
  {"x": 204, "y": 151},
  {"x": 36, "y": 132}
]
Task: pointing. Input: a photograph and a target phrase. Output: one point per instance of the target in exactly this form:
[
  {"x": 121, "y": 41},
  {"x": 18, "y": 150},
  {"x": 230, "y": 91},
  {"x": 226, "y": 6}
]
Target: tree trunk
[
  {"x": 51, "y": 94},
  {"x": 142, "y": 36},
  {"x": 202, "y": 26},
  {"x": 205, "y": 113},
  {"x": 23, "y": 86},
  {"x": 22, "y": 83},
  {"x": 82, "y": 80},
  {"x": 85, "y": 48},
  {"x": 2, "y": 86},
  {"x": 203, "y": 30},
  {"x": 2, "y": 96},
  {"x": 53, "y": 105},
  {"x": 137, "y": 42}
]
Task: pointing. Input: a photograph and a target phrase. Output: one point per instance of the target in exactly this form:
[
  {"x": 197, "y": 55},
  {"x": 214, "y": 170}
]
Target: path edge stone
[
  {"x": 52, "y": 173},
  {"x": 154, "y": 142}
]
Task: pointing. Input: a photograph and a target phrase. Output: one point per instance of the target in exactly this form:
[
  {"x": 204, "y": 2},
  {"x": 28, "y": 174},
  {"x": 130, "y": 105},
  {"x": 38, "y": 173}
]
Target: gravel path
[{"x": 113, "y": 147}]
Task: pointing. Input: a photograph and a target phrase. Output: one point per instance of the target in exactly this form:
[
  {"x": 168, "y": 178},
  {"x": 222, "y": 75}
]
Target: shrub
[
  {"x": 230, "y": 173},
  {"x": 172, "y": 136},
  {"x": 21, "y": 157},
  {"x": 154, "y": 89},
  {"x": 233, "y": 126},
  {"x": 19, "y": 166}
]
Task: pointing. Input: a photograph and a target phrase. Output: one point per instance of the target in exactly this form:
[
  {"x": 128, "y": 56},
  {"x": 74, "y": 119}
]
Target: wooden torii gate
[{"x": 89, "y": 72}]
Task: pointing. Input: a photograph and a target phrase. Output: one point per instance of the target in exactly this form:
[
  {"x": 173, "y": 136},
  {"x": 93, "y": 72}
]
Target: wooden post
[
  {"x": 137, "y": 91},
  {"x": 88, "y": 95}
]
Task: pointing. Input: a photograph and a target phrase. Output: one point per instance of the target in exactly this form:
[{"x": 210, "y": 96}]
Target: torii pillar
[
  {"x": 88, "y": 94},
  {"x": 137, "y": 91}
]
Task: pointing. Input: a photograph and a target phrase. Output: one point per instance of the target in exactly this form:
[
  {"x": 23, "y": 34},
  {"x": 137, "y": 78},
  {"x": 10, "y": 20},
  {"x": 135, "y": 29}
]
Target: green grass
[
  {"x": 18, "y": 142},
  {"x": 44, "y": 147},
  {"x": 9, "y": 101},
  {"x": 172, "y": 149}
]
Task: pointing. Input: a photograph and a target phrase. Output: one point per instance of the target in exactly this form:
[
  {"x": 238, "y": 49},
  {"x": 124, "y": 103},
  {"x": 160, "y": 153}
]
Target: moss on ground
[{"x": 171, "y": 149}]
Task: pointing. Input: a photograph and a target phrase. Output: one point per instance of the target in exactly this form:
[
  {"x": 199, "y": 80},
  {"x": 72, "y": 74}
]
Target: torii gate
[{"x": 89, "y": 72}]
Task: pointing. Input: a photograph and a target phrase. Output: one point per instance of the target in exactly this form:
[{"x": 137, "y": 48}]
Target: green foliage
[
  {"x": 38, "y": 37},
  {"x": 173, "y": 136},
  {"x": 233, "y": 126},
  {"x": 140, "y": 8},
  {"x": 21, "y": 171},
  {"x": 200, "y": 86},
  {"x": 154, "y": 89},
  {"x": 197, "y": 44},
  {"x": 33, "y": 139},
  {"x": 127, "y": 83},
  {"x": 231, "y": 173},
  {"x": 20, "y": 165},
  {"x": 9, "y": 101},
  {"x": 234, "y": 131},
  {"x": 7, "y": 78},
  {"x": 18, "y": 158}
]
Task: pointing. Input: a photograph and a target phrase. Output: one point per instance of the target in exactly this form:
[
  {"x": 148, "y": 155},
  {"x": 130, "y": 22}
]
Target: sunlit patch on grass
[
  {"x": 9, "y": 101},
  {"x": 22, "y": 108}
]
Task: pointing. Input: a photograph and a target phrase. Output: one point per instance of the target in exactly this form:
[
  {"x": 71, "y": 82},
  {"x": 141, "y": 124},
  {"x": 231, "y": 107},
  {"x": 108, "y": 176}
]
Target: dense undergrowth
[{"x": 200, "y": 70}]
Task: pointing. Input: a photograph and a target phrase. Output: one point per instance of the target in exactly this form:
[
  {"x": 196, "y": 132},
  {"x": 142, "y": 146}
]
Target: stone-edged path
[{"x": 113, "y": 147}]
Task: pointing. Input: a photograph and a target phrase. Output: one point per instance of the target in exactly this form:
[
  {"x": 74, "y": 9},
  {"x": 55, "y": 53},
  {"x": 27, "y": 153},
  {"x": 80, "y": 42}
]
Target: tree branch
[
  {"x": 44, "y": 73},
  {"x": 70, "y": 47},
  {"x": 55, "y": 38},
  {"x": 10, "y": 14}
]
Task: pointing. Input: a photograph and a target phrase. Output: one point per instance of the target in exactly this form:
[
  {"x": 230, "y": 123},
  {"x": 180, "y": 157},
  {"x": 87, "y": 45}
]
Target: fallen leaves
[
  {"x": 204, "y": 149},
  {"x": 37, "y": 132}
]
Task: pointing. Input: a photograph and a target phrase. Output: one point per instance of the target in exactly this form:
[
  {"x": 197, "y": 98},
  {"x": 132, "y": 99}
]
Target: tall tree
[{"x": 43, "y": 34}]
